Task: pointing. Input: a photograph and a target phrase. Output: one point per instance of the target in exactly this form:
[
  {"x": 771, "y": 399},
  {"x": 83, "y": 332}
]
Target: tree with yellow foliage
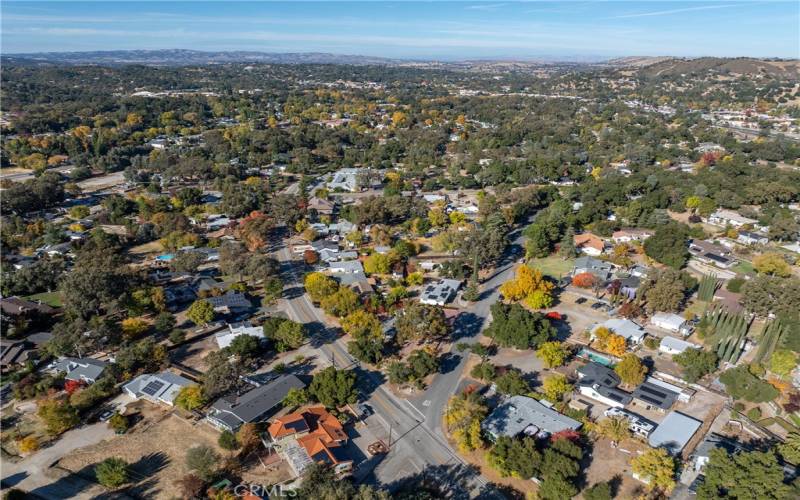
[
  {"x": 399, "y": 118},
  {"x": 28, "y": 444},
  {"x": 525, "y": 284},
  {"x": 133, "y": 327},
  {"x": 463, "y": 416},
  {"x": 616, "y": 345}
]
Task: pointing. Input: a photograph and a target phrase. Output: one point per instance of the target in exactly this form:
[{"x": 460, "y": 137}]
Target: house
[
  {"x": 16, "y": 306},
  {"x": 600, "y": 383},
  {"x": 652, "y": 396},
  {"x": 709, "y": 147},
  {"x": 352, "y": 179},
  {"x": 716, "y": 260},
  {"x": 320, "y": 245},
  {"x": 254, "y": 406},
  {"x": 204, "y": 285},
  {"x": 521, "y": 415},
  {"x": 439, "y": 294},
  {"x": 589, "y": 244},
  {"x": 309, "y": 436},
  {"x": 601, "y": 270},
  {"x": 86, "y": 370},
  {"x": 700, "y": 247},
  {"x": 346, "y": 267},
  {"x": 225, "y": 337},
  {"x": 323, "y": 207},
  {"x": 671, "y": 345},
  {"x": 723, "y": 217},
  {"x": 638, "y": 271},
  {"x": 636, "y": 423},
  {"x": 216, "y": 222},
  {"x": 751, "y": 238},
  {"x": 342, "y": 228},
  {"x": 629, "y": 235},
  {"x": 230, "y": 303},
  {"x": 672, "y": 322},
  {"x": 57, "y": 249},
  {"x": 674, "y": 432},
  {"x": 18, "y": 352},
  {"x": 157, "y": 387},
  {"x": 630, "y": 331}
]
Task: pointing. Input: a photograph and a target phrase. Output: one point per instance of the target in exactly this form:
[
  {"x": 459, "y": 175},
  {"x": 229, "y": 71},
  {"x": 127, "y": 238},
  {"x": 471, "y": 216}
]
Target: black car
[
  {"x": 581, "y": 300},
  {"x": 597, "y": 305}
]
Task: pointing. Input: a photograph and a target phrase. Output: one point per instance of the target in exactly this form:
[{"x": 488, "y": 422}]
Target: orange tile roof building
[{"x": 311, "y": 435}]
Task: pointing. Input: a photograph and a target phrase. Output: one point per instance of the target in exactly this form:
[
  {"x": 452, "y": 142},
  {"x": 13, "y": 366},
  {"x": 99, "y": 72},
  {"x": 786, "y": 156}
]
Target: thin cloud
[
  {"x": 485, "y": 6},
  {"x": 672, "y": 11}
]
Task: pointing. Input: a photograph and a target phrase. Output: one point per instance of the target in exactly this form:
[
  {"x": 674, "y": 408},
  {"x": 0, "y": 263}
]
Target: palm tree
[{"x": 614, "y": 428}]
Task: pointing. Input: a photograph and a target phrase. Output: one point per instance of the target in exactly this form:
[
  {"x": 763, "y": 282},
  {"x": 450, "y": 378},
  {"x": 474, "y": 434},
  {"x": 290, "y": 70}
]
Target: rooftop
[
  {"x": 674, "y": 432},
  {"x": 521, "y": 414}
]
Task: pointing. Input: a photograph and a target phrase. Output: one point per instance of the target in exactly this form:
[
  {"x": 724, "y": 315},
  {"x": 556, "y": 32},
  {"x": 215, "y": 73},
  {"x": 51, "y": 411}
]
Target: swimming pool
[{"x": 166, "y": 257}]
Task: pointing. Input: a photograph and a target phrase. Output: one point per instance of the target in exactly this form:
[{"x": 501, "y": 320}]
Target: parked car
[
  {"x": 106, "y": 415},
  {"x": 581, "y": 300},
  {"x": 597, "y": 305}
]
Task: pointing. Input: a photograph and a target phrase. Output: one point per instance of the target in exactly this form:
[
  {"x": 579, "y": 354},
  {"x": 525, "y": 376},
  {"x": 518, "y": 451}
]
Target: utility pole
[{"x": 390, "y": 438}]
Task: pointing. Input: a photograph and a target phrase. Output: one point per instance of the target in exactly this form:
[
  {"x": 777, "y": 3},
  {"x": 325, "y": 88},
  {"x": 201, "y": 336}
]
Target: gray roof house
[
  {"x": 157, "y": 387},
  {"x": 523, "y": 415},
  {"x": 654, "y": 397},
  {"x": 439, "y": 294},
  {"x": 254, "y": 406},
  {"x": 79, "y": 369},
  {"x": 674, "y": 432},
  {"x": 600, "y": 383},
  {"x": 602, "y": 270},
  {"x": 346, "y": 267},
  {"x": 231, "y": 302}
]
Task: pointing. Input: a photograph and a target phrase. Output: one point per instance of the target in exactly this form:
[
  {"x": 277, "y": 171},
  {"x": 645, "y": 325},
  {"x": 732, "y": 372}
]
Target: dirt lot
[
  {"x": 156, "y": 448},
  {"x": 192, "y": 354},
  {"x": 609, "y": 463}
]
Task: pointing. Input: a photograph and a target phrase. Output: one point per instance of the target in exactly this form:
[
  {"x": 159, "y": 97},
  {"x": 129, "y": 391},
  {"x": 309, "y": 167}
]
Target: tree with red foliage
[
  {"x": 630, "y": 310},
  {"x": 710, "y": 158},
  {"x": 584, "y": 280},
  {"x": 569, "y": 434},
  {"x": 310, "y": 257},
  {"x": 72, "y": 385},
  {"x": 254, "y": 230}
]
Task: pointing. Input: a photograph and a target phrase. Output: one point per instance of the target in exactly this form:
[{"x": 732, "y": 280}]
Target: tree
[
  {"x": 555, "y": 386},
  {"x": 164, "y": 322},
  {"x": 295, "y": 397},
  {"x": 220, "y": 376},
  {"x": 421, "y": 322},
  {"x": 584, "y": 280},
  {"x": 747, "y": 474},
  {"x": 343, "y": 302},
  {"x": 526, "y": 282},
  {"x": 227, "y": 441},
  {"x": 553, "y": 354},
  {"x": 463, "y": 417},
  {"x": 483, "y": 371},
  {"x": 667, "y": 245},
  {"x": 783, "y": 362},
  {"x": 362, "y": 325},
  {"x": 244, "y": 346},
  {"x": 658, "y": 467},
  {"x": 422, "y": 363},
  {"x": 598, "y": 491},
  {"x": 203, "y": 461},
  {"x": 112, "y": 472},
  {"x": 119, "y": 423},
  {"x": 58, "y": 416},
  {"x": 133, "y": 328},
  {"x": 190, "y": 398},
  {"x": 398, "y": 372},
  {"x": 631, "y": 370},
  {"x": 201, "y": 312},
  {"x": 615, "y": 429},
  {"x": 378, "y": 263},
  {"x": 28, "y": 444},
  {"x": 286, "y": 334},
  {"x": 772, "y": 263},
  {"x": 741, "y": 384},
  {"x": 512, "y": 383},
  {"x": 616, "y": 345},
  {"x": 696, "y": 363},
  {"x": 556, "y": 488},
  {"x": 191, "y": 486},
  {"x": 665, "y": 290},
  {"x": 514, "y": 326},
  {"x": 318, "y": 286},
  {"x": 790, "y": 448},
  {"x": 334, "y": 388},
  {"x": 566, "y": 249}
]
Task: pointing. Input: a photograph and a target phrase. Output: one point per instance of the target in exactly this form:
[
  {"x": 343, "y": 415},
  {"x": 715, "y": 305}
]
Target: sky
[{"x": 412, "y": 30}]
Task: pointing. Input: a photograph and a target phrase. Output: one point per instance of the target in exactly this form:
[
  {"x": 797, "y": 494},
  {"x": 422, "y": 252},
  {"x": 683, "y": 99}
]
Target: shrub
[
  {"x": 754, "y": 413},
  {"x": 227, "y": 441},
  {"x": 112, "y": 472}
]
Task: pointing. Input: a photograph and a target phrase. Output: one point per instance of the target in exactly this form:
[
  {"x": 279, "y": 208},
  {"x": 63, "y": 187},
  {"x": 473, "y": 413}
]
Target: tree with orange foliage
[
  {"x": 616, "y": 345},
  {"x": 526, "y": 282},
  {"x": 70, "y": 386},
  {"x": 310, "y": 257},
  {"x": 584, "y": 280},
  {"x": 254, "y": 230}
]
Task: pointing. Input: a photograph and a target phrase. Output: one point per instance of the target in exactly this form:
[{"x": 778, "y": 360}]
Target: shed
[
  {"x": 671, "y": 345},
  {"x": 674, "y": 432}
]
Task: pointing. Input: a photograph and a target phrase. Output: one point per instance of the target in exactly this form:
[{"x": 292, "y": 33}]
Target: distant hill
[
  {"x": 180, "y": 57},
  {"x": 673, "y": 66}
]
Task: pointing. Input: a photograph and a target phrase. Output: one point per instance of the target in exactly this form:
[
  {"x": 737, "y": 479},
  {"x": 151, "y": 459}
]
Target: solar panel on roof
[
  {"x": 321, "y": 456},
  {"x": 651, "y": 390},
  {"x": 153, "y": 387},
  {"x": 297, "y": 425}
]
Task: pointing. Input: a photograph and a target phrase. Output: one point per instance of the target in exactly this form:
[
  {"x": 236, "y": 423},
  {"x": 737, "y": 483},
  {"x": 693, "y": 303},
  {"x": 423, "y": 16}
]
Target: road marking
[
  {"x": 427, "y": 402},
  {"x": 415, "y": 409}
]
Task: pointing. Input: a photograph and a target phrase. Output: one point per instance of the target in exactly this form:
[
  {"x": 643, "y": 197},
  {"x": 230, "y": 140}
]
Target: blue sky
[{"x": 442, "y": 30}]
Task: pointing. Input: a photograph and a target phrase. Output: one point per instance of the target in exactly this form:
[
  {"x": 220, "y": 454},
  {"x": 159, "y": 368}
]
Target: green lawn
[
  {"x": 743, "y": 267},
  {"x": 52, "y": 299},
  {"x": 553, "y": 266}
]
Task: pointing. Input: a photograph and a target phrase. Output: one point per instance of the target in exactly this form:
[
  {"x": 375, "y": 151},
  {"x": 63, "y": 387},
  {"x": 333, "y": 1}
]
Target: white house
[
  {"x": 225, "y": 337},
  {"x": 630, "y": 331},
  {"x": 750, "y": 238},
  {"x": 157, "y": 387},
  {"x": 439, "y": 294},
  {"x": 724, "y": 218},
  {"x": 671, "y": 345},
  {"x": 671, "y": 322},
  {"x": 346, "y": 267}
]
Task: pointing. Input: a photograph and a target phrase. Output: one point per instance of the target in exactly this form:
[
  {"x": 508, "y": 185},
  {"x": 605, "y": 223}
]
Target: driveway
[{"x": 36, "y": 474}]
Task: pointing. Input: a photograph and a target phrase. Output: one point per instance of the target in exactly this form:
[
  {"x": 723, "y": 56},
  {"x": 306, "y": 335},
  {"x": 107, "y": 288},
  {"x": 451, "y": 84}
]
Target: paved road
[
  {"x": 36, "y": 475},
  {"x": 416, "y": 446}
]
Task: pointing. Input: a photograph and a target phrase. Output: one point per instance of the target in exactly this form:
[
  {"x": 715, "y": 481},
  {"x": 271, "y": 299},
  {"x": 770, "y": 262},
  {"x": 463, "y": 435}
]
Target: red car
[{"x": 554, "y": 315}]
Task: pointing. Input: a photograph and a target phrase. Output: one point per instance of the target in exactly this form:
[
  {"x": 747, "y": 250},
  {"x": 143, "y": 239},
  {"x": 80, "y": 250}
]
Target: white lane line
[{"x": 415, "y": 409}]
